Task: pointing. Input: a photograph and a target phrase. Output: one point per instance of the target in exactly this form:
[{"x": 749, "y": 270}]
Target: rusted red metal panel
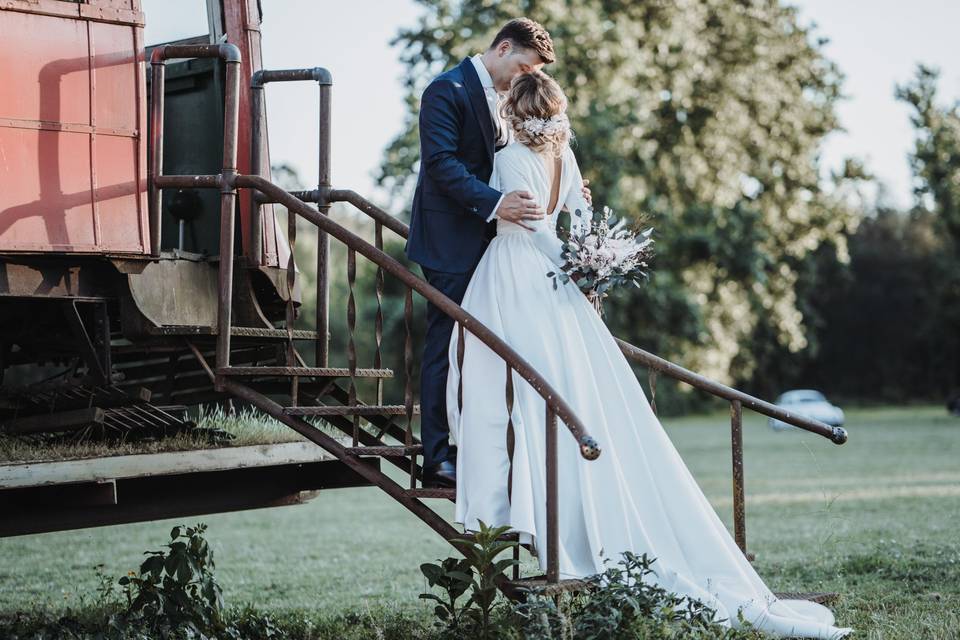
[
  {"x": 48, "y": 209},
  {"x": 71, "y": 116},
  {"x": 45, "y": 7},
  {"x": 116, "y": 76},
  {"x": 45, "y": 68}
]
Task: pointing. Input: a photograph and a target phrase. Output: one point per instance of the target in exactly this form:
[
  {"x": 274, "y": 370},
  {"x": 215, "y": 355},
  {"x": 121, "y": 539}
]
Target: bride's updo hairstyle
[{"x": 536, "y": 108}]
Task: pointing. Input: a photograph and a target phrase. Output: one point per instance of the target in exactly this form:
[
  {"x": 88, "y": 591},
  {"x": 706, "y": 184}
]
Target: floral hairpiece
[{"x": 556, "y": 123}]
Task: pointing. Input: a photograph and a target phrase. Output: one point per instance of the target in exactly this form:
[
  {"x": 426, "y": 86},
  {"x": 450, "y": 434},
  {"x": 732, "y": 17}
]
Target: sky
[{"x": 876, "y": 43}]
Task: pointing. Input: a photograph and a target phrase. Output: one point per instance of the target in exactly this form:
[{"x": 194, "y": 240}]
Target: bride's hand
[{"x": 518, "y": 206}]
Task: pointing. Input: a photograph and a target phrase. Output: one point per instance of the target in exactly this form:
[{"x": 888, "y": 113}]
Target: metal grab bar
[
  {"x": 230, "y": 54},
  {"x": 257, "y": 115}
]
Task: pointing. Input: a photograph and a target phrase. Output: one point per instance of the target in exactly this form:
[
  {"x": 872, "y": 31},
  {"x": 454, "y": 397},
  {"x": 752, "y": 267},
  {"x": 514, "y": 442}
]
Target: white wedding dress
[{"x": 638, "y": 495}]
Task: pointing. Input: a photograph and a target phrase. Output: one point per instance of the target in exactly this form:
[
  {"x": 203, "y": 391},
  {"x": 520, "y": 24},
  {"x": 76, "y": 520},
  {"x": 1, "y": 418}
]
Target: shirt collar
[{"x": 485, "y": 80}]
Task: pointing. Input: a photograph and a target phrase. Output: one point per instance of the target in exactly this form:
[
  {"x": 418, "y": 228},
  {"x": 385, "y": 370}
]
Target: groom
[{"x": 454, "y": 210}]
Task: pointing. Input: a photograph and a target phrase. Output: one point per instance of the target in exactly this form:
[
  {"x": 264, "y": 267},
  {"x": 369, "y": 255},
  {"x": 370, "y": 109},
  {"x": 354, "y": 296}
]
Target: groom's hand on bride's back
[
  {"x": 585, "y": 190},
  {"x": 518, "y": 206}
]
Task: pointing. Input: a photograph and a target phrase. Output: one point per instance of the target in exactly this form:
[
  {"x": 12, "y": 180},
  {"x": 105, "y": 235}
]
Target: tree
[
  {"x": 703, "y": 115},
  {"x": 936, "y": 169},
  {"x": 887, "y": 333},
  {"x": 885, "y": 328},
  {"x": 936, "y": 158}
]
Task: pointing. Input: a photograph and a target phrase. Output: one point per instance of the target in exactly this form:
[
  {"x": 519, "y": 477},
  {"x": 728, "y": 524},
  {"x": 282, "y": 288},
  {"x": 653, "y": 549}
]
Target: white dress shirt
[{"x": 493, "y": 104}]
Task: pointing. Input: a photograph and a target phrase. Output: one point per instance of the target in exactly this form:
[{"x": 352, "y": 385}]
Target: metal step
[
  {"x": 347, "y": 410},
  {"x": 386, "y": 451},
  {"x": 420, "y": 492},
  {"x": 539, "y": 584},
  {"x": 235, "y": 332},
  {"x": 305, "y": 372}
]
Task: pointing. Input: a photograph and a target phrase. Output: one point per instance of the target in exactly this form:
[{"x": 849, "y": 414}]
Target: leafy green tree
[
  {"x": 885, "y": 328},
  {"x": 704, "y": 116},
  {"x": 936, "y": 158},
  {"x": 936, "y": 168}
]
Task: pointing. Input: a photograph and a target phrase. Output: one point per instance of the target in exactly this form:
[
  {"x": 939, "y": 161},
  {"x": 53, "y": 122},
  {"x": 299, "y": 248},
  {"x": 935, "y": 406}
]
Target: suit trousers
[{"x": 434, "y": 429}]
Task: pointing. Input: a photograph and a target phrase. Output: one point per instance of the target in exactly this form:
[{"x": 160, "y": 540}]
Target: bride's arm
[
  {"x": 574, "y": 200},
  {"x": 512, "y": 174}
]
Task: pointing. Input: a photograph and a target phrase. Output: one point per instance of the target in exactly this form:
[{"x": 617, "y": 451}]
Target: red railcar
[
  {"x": 76, "y": 232},
  {"x": 108, "y": 304}
]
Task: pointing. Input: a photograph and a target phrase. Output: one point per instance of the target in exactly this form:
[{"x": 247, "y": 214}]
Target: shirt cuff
[{"x": 493, "y": 214}]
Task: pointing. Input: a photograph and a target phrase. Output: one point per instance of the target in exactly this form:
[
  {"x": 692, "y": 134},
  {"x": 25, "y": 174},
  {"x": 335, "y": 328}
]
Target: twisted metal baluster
[
  {"x": 736, "y": 442},
  {"x": 553, "y": 522},
  {"x": 378, "y": 320},
  {"x": 511, "y": 444},
  {"x": 291, "y": 312},
  {"x": 351, "y": 345},
  {"x": 408, "y": 382},
  {"x": 652, "y": 376},
  {"x": 460, "y": 351},
  {"x": 511, "y": 439}
]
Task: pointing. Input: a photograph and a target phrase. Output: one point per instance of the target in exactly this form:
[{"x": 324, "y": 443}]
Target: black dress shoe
[{"x": 440, "y": 475}]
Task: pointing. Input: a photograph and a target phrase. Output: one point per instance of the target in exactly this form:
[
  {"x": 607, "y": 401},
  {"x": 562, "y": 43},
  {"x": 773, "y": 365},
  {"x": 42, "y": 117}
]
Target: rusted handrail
[
  {"x": 736, "y": 398},
  {"x": 589, "y": 448},
  {"x": 837, "y": 435}
]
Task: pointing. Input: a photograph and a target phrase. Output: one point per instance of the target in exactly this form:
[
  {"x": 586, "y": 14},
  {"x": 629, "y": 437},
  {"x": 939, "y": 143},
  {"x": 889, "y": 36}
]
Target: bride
[{"x": 638, "y": 496}]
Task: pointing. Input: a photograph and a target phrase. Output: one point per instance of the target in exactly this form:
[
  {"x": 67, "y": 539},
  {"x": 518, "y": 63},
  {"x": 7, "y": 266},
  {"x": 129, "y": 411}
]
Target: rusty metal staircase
[{"x": 300, "y": 395}]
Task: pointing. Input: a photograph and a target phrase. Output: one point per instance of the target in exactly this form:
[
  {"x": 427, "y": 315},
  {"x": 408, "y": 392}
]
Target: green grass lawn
[{"x": 876, "y": 520}]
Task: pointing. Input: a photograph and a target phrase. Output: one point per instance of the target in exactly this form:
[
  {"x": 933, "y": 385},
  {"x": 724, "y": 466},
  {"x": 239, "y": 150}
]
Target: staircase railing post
[
  {"x": 323, "y": 242},
  {"x": 736, "y": 441},
  {"x": 553, "y": 522}
]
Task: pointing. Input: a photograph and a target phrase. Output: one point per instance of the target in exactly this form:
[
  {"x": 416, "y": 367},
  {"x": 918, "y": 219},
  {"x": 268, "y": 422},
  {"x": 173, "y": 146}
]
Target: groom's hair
[{"x": 527, "y": 34}]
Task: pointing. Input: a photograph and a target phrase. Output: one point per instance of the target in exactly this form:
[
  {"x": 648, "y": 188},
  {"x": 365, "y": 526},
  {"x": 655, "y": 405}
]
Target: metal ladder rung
[
  {"x": 235, "y": 332},
  {"x": 386, "y": 451},
  {"x": 448, "y": 493},
  {"x": 348, "y": 410},
  {"x": 305, "y": 372}
]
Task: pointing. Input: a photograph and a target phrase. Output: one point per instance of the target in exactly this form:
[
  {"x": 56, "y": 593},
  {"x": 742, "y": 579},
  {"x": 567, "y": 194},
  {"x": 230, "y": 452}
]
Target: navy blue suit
[{"x": 448, "y": 224}]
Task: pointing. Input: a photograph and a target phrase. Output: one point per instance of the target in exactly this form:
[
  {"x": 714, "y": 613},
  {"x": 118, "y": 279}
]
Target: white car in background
[{"x": 808, "y": 403}]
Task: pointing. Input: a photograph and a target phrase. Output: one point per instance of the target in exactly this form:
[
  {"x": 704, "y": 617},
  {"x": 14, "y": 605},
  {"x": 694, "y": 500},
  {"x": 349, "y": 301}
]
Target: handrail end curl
[
  {"x": 589, "y": 447},
  {"x": 839, "y": 435}
]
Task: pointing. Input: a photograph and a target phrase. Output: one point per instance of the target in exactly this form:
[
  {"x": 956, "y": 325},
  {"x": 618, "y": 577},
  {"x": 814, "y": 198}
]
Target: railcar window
[{"x": 175, "y": 20}]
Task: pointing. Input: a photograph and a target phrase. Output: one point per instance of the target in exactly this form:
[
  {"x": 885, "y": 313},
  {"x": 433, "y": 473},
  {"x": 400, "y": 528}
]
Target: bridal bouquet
[{"x": 602, "y": 254}]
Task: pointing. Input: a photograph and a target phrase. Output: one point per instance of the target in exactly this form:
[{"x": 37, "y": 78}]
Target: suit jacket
[{"x": 448, "y": 223}]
